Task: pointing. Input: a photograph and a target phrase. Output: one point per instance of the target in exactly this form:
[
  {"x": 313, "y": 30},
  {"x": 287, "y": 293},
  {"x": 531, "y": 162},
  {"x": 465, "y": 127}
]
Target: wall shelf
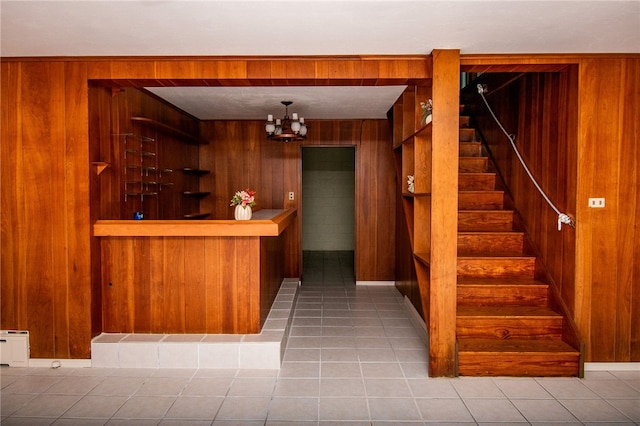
[
  {"x": 197, "y": 215},
  {"x": 197, "y": 194},
  {"x": 187, "y": 137},
  {"x": 194, "y": 172}
]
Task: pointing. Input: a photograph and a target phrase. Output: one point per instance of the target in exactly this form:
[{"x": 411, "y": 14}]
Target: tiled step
[
  {"x": 496, "y": 266},
  {"x": 472, "y": 164},
  {"x": 501, "y": 292},
  {"x": 513, "y": 357},
  {"x": 485, "y": 220},
  {"x": 508, "y": 322},
  {"x": 480, "y": 200},
  {"x": 467, "y": 134},
  {"x": 470, "y": 149},
  {"x": 503, "y": 243}
]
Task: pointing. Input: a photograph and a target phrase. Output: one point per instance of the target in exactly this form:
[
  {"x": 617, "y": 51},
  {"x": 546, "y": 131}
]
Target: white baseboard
[
  {"x": 59, "y": 363},
  {"x": 374, "y": 283},
  {"x": 612, "y": 366},
  {"x": 416, "y": 319}
]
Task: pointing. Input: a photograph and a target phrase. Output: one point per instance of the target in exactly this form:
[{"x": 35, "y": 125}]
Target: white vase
[{"x": 242, "y": 213}]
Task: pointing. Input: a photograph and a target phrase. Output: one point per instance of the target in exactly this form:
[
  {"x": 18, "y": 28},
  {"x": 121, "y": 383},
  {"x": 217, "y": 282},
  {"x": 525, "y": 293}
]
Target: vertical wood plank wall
[
  {"x": 45, "y": 225},
  {"x": 242, "y": 158}
]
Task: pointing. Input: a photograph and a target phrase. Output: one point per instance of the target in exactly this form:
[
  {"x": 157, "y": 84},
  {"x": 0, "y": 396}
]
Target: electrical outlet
[
  {"x": 291, "y": 197},
  {"x": 596, "y": 203}
]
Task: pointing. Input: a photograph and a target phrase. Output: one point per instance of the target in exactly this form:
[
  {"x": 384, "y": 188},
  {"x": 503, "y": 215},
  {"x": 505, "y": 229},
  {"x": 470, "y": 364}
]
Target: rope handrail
[{"x": 562, "y": 217}]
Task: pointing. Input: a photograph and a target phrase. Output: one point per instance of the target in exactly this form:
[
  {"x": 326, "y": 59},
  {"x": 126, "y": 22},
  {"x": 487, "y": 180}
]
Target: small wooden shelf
[
  {"x": 409, "y": 139},
  {"x": 100, "y": 166},
  {"x": 197, "y": 194},
  {"x": 187, "y": 137},
  {"x": 194, "y": 172},
  {"x": 197, "y": 215}
]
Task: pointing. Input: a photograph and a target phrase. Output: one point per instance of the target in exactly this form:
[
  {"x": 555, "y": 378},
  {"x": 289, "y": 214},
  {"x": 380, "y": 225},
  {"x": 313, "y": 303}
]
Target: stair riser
[
  {"x": 472, "y": 164},
  {"x": 464, "y": 121},
  {"x": 509, "y": 328},
  {"x": 502, "y": 295},
  {"x": 477, "y": 182},
  {"x": 518, "y": 364},
  {"x": 485, "y": 221},
  {"x": 496, "y": 267},
  {"x": 470, "y": 149},
  {"x": 508, "y": 243},
  {"x": 467, "y": 134},
  {"x": 489, "y": 200}
]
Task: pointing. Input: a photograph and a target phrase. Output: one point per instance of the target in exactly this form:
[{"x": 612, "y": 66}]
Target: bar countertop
[{"x": 263, "y": 223}]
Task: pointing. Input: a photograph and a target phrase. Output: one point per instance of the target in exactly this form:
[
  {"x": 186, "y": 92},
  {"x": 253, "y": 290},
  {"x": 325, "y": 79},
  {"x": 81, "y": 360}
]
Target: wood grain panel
[
  {"x": 189, "y": 284},
  {"x": 241, "y": 157}
]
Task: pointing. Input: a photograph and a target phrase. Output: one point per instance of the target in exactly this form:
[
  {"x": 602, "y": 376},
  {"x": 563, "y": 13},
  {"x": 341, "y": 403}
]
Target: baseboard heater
[{"x": 14, "y": 348}]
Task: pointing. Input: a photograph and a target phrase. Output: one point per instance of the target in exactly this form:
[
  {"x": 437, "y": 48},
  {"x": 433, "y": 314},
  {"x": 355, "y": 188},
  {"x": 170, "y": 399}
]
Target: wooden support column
[{"x": 444, "y": 212}]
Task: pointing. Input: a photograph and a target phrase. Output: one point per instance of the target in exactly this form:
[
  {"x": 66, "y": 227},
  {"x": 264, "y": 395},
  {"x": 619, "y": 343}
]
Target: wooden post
[{"x": 444, "y": 212}]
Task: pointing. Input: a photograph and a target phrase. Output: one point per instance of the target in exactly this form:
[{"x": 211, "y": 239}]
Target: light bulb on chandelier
[{"x": 288, "y": 129}]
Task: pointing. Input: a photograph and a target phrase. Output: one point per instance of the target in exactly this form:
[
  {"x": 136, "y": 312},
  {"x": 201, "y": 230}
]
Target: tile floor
[{"x": 353, "y": 358}]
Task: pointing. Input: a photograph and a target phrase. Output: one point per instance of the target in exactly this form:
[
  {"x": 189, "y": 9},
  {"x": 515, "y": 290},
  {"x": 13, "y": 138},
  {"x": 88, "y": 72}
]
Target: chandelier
[{"x": 288, "y": 129}]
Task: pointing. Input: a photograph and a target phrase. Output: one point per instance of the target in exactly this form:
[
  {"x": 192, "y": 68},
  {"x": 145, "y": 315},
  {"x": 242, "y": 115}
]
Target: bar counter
[
  {"x": 264, "y": 222},
  {"x": 183, "y": 276}
]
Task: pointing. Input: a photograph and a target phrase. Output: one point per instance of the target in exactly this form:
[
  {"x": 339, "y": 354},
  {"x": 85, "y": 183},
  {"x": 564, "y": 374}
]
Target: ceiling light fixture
[{"x": 288, "y": 129}]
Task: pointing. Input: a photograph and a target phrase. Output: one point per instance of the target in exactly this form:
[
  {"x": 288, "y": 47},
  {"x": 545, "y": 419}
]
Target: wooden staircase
[{"x": 505, "y": 324}]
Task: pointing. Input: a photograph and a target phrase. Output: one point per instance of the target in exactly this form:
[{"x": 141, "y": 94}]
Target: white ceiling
[{"x": 303, "y": 28}]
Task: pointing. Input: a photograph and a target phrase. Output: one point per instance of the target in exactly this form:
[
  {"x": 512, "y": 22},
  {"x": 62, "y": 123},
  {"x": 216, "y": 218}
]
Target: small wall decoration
[
  {"x": 427, "y": 109},
  {"x": 410, "y": 183}
]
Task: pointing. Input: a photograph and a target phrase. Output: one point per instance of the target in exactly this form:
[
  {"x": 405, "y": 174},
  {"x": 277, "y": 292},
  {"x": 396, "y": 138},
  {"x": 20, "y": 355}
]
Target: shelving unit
[
  {"x": 190, "y": 184},
  {"x": 140, "y": 169}
]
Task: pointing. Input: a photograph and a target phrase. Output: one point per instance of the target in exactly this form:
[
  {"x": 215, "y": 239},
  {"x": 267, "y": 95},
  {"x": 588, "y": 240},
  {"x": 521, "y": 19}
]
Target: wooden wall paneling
[
  {"x": 292, "y": 180},
  {"x": 214, "y": 283},
  {"x": 76, "y": 213},
  {"x": 630, "y": 202},
  {"x": 43, "y": 125},
  {"x": 118, "y": 285},
  {"x": 13, "y": 301},
  {"x": 195, "y": 291},
  {"x": 174, "y": 284}
]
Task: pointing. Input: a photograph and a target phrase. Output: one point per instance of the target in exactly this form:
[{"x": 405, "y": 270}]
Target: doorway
[{"x": 328, "y": 215}]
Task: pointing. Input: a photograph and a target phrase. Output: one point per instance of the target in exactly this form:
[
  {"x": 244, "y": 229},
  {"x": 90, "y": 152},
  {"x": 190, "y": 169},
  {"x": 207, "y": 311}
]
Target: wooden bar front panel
[{"x": 189, "y": 284}]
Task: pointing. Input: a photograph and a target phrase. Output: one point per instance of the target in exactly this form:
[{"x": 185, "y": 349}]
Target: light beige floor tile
[
  {"x": 145, "y": 407},
  {"x": 96, "y": 407},
  {"x": 343, "y": 409},
  {"x": 335, "y": 387},
  {"x": 547, "y": 410},
  {"x": 493, "y": 410},
  {"x": 594, "y": 410},
  {"x": 393, "y": 409},
  {"x": 443, "y": 410},
  {"x": 297, "y": 387},
  {"x": 212, "y": 386},
  {"x": 293, "y": 409},
  {"x": 392, "y": 388},
  {"x": 195, "y": 408},
  {"x": 47, "y": 406},
  {"x": 167, "y": 386},
  {"x": 247, "y": 408}
]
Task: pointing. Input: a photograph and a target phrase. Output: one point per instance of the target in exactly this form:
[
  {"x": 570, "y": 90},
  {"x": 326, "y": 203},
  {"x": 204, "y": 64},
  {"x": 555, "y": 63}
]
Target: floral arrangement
[
  {"x": 427, "y": 109},
  {"x": 244, "y": 198},
  {"x": 410, "y": 183}
]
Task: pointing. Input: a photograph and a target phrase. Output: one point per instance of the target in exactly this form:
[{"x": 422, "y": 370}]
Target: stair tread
[
  {"x": 507, "y": 311},
  {"x": 515, "y": 346},
  {"x": 491, "y": 233}
]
